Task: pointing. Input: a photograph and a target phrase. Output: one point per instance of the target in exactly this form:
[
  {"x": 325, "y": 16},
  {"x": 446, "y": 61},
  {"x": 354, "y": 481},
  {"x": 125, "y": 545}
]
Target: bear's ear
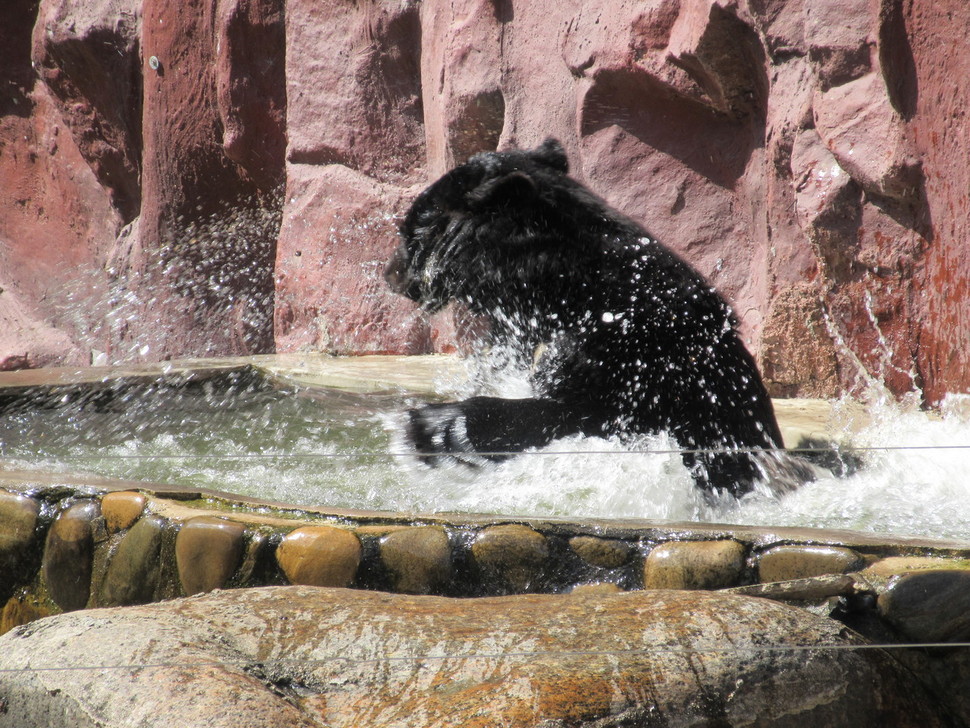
[
  {"x": 551, "y": 154},
  {"x": 510, "y": 188}
]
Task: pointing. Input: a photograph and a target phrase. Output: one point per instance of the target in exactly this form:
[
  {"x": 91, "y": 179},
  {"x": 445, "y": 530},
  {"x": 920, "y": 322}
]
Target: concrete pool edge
[
  {"x": 72, "y": 544},
  {"x": 404, "y": 375},
  {"x": 421, "y": 374}
]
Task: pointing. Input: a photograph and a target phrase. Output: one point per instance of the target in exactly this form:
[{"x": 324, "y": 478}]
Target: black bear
[{"x": 632, "y": 339}]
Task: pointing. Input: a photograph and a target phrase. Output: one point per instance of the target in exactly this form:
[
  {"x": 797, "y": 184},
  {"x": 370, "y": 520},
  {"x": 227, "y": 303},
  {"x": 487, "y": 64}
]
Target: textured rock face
[
  {"x": 799, "y": 152},
  {"x": 546, "y": 657},
  {"x": 55, "y": 218},
  {"x": 301, "y": 656}
]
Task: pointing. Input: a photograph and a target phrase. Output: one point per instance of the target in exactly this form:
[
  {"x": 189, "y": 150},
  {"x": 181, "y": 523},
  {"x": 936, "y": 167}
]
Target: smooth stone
[
  {"x": 253, "y": 559},
  {"x": 121, "y": 509},
  {"x": 18, "y": 519},
  {"x": 418, "y": 558},
  {"x": 511, "y": 556},
  {"x": 135, "y": 567},
  {"x": 607, "y": 553},
  {"x": 320, "y": 556},
  {"x": 895, "y": 565},
  {"x": 929, "y": 606},
  {"x": 207, "y": 551},
  {"x": 20, "y": 610},
  {"x": 792, "y": 561},
  {"x": 694, "y": 565},
  {"x": 813, "y": 589},
  {"x": 68, "y": 555},
  {"x": 296, "y": 656}
]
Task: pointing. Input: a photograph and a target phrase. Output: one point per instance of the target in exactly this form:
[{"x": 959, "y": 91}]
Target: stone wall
[
  {"x": 70, "y": 543},
  {"x": 75, "y": 542},
  {"x": 224, "y": 178}
]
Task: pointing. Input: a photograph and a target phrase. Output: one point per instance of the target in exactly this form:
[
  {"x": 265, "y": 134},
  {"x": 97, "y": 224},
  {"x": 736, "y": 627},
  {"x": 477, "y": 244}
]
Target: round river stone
[
  {"x": 21, "y": 609},
  {"x": 121, "y": 509},
  {"x": 694, "y": 565},
  {"x": 68, "y": 555},
  {"x": 320, "y": 556},
  {"x": 929, "y": 606},
  {"x": 134, "y": 570},
  {"x": 18, "y": 518},
  {"x": 511, "y": 556},
  {"x": 791, "y": 561},
  {"x": 896, "y": 565},
  {"x": 207, "y": 551},
  {"x": 419, "y": 558},
  {"x": 606, "y": 553}
]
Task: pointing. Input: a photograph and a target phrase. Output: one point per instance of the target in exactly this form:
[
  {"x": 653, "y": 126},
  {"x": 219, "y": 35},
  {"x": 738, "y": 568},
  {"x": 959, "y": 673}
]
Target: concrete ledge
[
  {"x": 423, "y": 375},
  {"x": 417, "y": 374}
]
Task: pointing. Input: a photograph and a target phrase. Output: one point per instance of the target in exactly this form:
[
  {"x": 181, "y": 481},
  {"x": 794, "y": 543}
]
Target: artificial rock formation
[
  {"x": 600, "y": 624},
  {"x": 305, "y": 656},
  {"x": 226, "y": 177}
]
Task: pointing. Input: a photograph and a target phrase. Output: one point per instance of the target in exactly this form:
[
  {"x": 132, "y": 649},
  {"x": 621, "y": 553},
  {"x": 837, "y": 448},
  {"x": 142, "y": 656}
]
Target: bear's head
[{"x": 488, "y": 229}]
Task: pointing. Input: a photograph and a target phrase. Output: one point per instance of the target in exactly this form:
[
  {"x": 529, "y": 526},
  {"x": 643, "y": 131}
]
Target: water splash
[
  {"x": 204, "y": 288},
  {"x": 913, "y": 481},
  {"x": 338, "y": 450}
]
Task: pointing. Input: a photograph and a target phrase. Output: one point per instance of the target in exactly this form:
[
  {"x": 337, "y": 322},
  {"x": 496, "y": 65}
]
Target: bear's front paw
[{"x": 438, "y": 432}]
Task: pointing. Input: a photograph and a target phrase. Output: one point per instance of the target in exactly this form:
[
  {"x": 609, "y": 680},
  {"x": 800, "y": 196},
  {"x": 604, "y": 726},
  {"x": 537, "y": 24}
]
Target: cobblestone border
[{"x": 67, "y": 544}]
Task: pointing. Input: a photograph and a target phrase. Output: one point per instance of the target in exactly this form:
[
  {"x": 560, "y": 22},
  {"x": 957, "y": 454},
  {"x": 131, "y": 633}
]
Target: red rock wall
[
  {"x": 804, "y": 154},
  {"x": 941, "y": 135}
]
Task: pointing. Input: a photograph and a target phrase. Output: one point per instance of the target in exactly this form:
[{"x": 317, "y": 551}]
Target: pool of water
[{"x": 329, "y": 448}]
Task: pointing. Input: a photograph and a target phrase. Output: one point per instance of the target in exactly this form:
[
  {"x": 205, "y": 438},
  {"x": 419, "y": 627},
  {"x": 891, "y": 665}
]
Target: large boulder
[{"x": 305, "y": 656}]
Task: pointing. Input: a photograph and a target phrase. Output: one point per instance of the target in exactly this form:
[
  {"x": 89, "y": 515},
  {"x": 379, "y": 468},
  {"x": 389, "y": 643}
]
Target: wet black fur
[{"x": 636, "y": 340}]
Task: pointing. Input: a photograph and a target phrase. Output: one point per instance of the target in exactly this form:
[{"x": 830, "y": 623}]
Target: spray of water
[
  {"x": 343, "y": 451},
  {"x": 200, "y": 287},
  {"x": 337, "y": 450}
]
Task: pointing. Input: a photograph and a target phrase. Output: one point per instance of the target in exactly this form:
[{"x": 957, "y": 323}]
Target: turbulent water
[
  {"x": 342, "y": 451},
  {"x": 915, "y": 480}
]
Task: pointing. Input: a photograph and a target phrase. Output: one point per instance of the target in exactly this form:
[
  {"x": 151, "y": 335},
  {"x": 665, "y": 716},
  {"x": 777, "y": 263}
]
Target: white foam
[{"x": 915, "y": 480}]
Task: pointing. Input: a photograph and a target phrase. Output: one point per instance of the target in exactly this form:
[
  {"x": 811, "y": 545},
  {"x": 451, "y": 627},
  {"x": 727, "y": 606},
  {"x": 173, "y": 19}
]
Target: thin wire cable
[
  {"x": 504, "y": 453},
  {"x": 664, "y": 649}
]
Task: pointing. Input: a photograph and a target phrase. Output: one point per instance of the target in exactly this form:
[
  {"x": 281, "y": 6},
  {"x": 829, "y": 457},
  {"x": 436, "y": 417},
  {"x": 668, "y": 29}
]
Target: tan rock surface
[
  {"x": 319, "y": 556},
  {"x": 694, "y": 565},
  {"x": 300, "y": 656}
]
